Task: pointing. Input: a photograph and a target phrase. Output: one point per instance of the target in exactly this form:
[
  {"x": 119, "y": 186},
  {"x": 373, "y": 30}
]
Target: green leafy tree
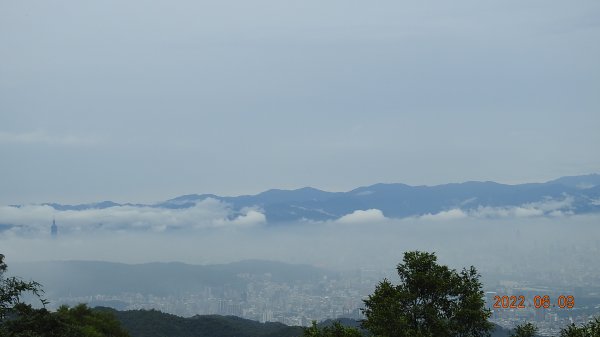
[
  {"x": 89, "y": 322},
  {"x": 336, "y": 330},
  {"x": 79, "y": 321},
  {"x": 18, "y": 319},
  {"x": 431, "y": 300},
  {"x": 26, "y": 321},
  {"x": 524, "y": 330},
  {"x": 591, "y": 329},
  {"x": 12, "y": 290}
]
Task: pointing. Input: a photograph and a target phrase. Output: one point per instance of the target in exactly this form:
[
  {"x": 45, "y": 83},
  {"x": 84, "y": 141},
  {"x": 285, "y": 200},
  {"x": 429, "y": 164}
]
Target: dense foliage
[
  {"x": 591, "y": 329},
  {"x": 18, "y": 319},
  {"x": 335, "y": 330},
  {"x": 524, "y": 330},
  {"x": 152, "y": 323},
  {"x": 79, "y": 321},
  {"x": 430, "y": 301},
  {"x": 12, "y": 289}
]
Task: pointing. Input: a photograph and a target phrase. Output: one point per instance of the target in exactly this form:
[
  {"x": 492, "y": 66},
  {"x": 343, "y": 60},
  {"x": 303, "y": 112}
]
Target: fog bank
[{"x": 500, "y": 246}]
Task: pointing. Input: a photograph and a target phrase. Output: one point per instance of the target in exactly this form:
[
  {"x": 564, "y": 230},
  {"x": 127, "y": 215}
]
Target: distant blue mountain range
[{"x": 570, "y": 195}]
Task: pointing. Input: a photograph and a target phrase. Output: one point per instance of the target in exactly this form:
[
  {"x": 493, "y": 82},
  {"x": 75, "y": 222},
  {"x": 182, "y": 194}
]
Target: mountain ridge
[{"x": 574, "y": 195}]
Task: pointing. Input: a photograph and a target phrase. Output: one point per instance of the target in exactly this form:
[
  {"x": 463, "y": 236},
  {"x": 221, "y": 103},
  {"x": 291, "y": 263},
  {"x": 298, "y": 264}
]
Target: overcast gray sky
[{"x": 146, "y": 100}]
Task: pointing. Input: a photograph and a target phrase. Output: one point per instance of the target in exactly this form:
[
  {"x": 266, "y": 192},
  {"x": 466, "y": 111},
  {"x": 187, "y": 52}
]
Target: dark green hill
[{"x": 152, "y": 323}]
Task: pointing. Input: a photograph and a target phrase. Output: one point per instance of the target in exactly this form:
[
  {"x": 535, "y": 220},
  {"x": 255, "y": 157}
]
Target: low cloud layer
[
  {"x": 370, "y": 215},
  {"x": 32, "y": 220},
  {"x": 522, "y": 247},
  {"x": 546, "y": 208},
  {"x": 524, "y": 241},
  {"x": 209, "y": 213}
]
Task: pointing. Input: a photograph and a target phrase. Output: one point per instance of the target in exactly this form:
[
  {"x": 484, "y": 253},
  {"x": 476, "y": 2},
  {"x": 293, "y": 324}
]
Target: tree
[
  {"x": 336, "y": 330},
  {"x": 89, "y": 322},
  {"x": 430, "y": 301},
  {"x": 12, "y": 288},
  {"x": 18, "y": 319},
  {"x": 524, "y": 330},
  {"x": 79, "y": 321},
  {"x": 591, "y": 329}
]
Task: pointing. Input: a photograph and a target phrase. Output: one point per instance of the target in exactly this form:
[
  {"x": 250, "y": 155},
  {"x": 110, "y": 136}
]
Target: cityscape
[{"x": 265, "y": 300}]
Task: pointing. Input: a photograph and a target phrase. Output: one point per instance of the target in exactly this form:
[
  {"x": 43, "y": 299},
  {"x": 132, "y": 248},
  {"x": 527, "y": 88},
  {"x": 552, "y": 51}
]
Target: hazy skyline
[{"x": 142, "y": 101}]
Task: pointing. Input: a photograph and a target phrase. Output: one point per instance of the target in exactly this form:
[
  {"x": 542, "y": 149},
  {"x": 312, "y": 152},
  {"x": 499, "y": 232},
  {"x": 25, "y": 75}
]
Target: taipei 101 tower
[{"x": 54, "y": 229}]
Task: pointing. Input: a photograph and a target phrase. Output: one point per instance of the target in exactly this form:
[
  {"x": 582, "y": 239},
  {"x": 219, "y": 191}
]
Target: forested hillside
[{"x": 152, "y": 323}]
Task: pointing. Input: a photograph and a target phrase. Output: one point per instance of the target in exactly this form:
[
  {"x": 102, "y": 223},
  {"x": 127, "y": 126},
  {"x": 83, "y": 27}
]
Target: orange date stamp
[{"x": 539, "y": 302}]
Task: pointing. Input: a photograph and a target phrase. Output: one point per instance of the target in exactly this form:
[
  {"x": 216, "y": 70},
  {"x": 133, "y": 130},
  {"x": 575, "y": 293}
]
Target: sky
[{"x": 141, "y": 101}]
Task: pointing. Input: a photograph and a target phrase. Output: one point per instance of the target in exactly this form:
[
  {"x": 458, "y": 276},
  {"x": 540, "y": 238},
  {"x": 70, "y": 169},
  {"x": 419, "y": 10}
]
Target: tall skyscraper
[{"x": 54, "y": 229}]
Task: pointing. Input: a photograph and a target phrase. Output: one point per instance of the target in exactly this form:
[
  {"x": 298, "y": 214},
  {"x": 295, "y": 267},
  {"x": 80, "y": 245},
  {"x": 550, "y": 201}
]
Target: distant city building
[{"x": 54, "y": 229}]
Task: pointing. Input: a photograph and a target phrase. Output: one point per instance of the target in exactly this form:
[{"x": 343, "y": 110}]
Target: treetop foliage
[
  {"x": 524, "y": 330},
  {"x": 18, "y": 319},
  {"x": 591, "y": 329},
  {"x": 335, "y": 330},
  {"x": 12, "y": 289},
  {"x": 431, "y": 300}
]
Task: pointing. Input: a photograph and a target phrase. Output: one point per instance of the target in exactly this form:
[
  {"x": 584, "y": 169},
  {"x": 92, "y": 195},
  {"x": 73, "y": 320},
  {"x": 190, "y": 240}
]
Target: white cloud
[
  {"x": 550, "y": 204},
  {"x": 446, "y": 215},
  {"x": 359, "y": 216},
  {"x": 212, "y": 213},
  {"x": 468, "y": 201},
  {"x": 207, "y": 213},
  {"x": 547, "y": 207},
  {"x": 505, "y": 212},
  {"x": 40, "y": 137}
]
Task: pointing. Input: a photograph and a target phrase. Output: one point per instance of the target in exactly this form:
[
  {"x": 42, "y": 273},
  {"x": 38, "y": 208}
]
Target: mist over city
[{"x": 511, "y": 246}]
